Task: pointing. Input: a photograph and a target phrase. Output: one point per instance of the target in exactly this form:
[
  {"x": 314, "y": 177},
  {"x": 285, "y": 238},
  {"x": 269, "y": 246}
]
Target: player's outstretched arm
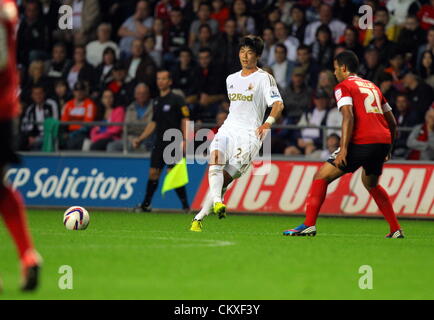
[
  {"x": 347, "y": 131},
  {"x": 391, "y": 122},
  {"x": 276, "y": 111}
]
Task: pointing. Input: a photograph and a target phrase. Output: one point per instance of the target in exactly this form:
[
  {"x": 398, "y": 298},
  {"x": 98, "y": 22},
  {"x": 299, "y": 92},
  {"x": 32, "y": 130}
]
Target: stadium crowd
[{"x": 104, "y": 69}]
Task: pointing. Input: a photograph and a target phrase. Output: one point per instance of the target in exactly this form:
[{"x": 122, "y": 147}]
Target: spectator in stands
[
  {"x": 185, "y": 76},
  {"x": 273, "y": 16},
  {"x": 391, "y": 30},
  {"x": 312, "y": 12},
  {"x": 82, "y": 109},
  {"x": 327, "y": 82},
  {"x": 411, "y": 37},
  {"x": 50, "y": 13},
  {"x": 119, "y": 86},
  {"x": 31, "y": 132},
  {"x": 57, "y": 67},
  {"x": 281, "y": 34},
  {"x": 332, "y": 144},
  {"x": 404, "y": 118},
  {"x": 397, "y": 69},
  {"x": 269, "y": 41},
  {"x": 204, "y": 40},
  {"x": 101, "y": 136},
  {"x": 140, "y": 66},
  {"x": 151, "y": 50},
  {"x": 419, "y": 94},
  {"x": 380, "y": 42},
  {"x": 81, "y": 70},
  {"x": 371, "y": 68},
  {"x": 298, "y": 26},
  {"x": 428, "y": 46},
  {"x": 211, "y": 88},
  {"x": 86, "y": 15},
  {"x": 426, "y": 15},
  {"x": 104, "y": 71},
  {"x": 336, "y": 27},
  {"x": 62, "y": 94},
  {"x": 296, "y": 97},
  {"x": 136, "y": 26},
  {"x": 344, "y": 10},
  {"x": 310, "y": 139},
  {"x": 96, "y": 48},
  {"x": 160, "y": 35},
  {"x": 307, "y": 65},
  {"x": 177, "y": 34},
  {"x": 227, "y": 47},
  {"x": 421, "y": 139},
  {"x": 399, "y": 10},
  {"x": 33, "y": 37},
  {"x": 36, "y": 76},
  {"x": 385, "y": 83},
  {"x": 163, "y": 8},
  {"x": 140, "y": 110},
  {"x": 351, "y": 41},
  {"x": 245, "y": 23},
  {"x": 426, "y": 68},
  {"x": 282, "y": 67},
  {"x": 204, "y": 17},
  {"x": 334, "y": 119},
  {"x": 220, "y": 13},
  {"x": 323, "y": 48}
]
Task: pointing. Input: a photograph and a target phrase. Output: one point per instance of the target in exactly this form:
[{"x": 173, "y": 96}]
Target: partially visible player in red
[
  {"x": 11, "y": 204},
  {"x": 368, "y": 133}
]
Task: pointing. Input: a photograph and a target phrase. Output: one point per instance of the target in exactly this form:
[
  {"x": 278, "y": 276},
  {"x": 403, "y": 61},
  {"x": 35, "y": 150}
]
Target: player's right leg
[
  {"x": 370, "y": 181},
  {"x": 208, "y": 205},
  {"x": 326, "y": 174}
]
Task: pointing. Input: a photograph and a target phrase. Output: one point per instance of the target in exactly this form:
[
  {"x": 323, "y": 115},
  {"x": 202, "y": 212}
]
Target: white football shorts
[{"x": 239, "y": 148}]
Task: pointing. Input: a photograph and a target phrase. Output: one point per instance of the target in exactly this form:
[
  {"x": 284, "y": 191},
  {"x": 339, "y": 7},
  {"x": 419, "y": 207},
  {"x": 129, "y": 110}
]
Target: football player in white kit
[{"x": 251, "y": 90}]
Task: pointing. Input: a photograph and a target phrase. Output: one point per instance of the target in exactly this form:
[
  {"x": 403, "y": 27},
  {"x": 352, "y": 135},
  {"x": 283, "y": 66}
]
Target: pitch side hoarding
[
  {"x": 285, "y": 185},
  {"x": 92, "y": 181}
]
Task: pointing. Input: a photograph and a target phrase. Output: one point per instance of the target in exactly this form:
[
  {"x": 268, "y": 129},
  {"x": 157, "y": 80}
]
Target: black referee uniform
[{"x": 168, "y": 112}]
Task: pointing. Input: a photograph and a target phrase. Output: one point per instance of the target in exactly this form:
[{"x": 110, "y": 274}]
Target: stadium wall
[{"x": 278, "y": 187}]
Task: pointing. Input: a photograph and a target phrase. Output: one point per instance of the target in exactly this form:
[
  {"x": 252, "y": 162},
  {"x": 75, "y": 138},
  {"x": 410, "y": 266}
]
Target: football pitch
[{"x": 154, "y": 256}]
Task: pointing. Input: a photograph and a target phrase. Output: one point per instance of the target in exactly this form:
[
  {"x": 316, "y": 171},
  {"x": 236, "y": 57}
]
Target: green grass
[{"x": 154, "y": 256}]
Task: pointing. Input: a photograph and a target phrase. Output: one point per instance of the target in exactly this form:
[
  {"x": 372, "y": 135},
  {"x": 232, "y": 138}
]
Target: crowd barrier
[{"x": 279, "y": 187}]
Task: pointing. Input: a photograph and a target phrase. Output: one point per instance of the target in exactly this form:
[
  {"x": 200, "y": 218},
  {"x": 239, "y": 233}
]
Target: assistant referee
[{"x": 170, "y": 112}]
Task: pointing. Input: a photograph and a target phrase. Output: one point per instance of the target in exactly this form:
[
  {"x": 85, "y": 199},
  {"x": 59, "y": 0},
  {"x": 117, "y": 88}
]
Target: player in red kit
[
  {"x": 11, "y": 203},
  {"x": 368, "y": 133}
]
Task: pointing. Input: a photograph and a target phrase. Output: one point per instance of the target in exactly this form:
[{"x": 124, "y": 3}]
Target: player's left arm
[
  {"x": 391, "y": 122},
  {"x": 273, "y": 99}
]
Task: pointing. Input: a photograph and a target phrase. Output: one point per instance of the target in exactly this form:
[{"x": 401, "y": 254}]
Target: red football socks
[
  {"x": 315, "y": 200},
  {"x": 12, "y": 210},
  {"x": 385, "y": 205}
]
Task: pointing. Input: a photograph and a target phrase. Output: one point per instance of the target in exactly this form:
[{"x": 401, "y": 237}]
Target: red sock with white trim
[
  {"x": 385, "y": 205},
  {"x": 13, "y": 213},
  {"x": 315, "y": 200}
]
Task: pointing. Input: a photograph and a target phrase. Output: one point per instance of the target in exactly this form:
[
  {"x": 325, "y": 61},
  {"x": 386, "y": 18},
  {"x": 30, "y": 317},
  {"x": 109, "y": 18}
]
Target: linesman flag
[{"x": 176, "y": 178}]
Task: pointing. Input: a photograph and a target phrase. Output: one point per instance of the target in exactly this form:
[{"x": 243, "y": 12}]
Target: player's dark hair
[
  {"x": 348, "y": 58},
  {"x": 253, "y": 42}
]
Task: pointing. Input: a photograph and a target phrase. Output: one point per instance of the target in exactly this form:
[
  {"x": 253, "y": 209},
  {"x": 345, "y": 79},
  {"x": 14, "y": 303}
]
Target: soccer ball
[{"x": 76, "y": 218}]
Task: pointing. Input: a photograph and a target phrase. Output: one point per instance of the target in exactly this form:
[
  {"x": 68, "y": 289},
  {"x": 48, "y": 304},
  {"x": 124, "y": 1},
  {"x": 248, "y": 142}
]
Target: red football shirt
[
  {"x": 8, "y": 69},
  {"x": 369, "y": 104}
]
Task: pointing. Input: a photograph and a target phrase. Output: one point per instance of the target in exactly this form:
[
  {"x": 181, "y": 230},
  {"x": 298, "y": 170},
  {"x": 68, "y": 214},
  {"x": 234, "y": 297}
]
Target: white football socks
[
  {"x": 207, "y": 206},
  {"x": 215, "y": 180}
]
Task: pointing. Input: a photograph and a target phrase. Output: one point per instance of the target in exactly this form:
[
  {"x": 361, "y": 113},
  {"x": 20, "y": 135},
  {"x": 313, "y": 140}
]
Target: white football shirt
[{"x": 249, "y": 97}]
